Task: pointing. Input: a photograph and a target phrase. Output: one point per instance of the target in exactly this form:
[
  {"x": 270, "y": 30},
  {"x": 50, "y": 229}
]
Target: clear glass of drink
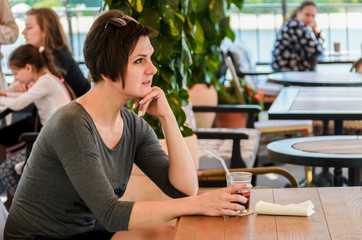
[{"x": 241, "y": 178}]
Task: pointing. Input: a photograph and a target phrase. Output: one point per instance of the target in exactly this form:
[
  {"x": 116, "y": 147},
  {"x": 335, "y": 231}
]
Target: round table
[
  {"x": 324, "y": 151},
  {"x": 316, "y": 78}
]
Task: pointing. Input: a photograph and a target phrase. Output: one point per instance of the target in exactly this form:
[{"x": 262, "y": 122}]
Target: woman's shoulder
[
  {"x": 63, "y": 55},
  {"x": 72, "y": 112},
  {"x": 292, "y": 23}
]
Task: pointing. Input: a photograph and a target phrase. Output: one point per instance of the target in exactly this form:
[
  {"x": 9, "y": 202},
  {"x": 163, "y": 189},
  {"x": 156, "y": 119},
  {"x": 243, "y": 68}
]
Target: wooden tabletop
[
  {"x": 338, "y": 216},
  {"x": 318, "y": 103},
  {"x": 331, "y": 146},
  {"x": 316, "y": 78},
  {"x": 323, "y": 151}
]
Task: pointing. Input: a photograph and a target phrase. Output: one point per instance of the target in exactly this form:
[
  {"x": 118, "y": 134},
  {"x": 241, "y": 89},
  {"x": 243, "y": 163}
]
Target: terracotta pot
[
  {"x": 230, "y": 120},
  {"x": 202, "y": 95}
]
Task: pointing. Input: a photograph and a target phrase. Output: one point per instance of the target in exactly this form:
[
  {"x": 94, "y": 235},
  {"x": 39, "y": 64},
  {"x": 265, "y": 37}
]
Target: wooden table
[
  {"x": 339, "y": 58},
  {"x": 338, "y": 216},
  {"x": 326, "y": 151},
  {"x": 319, "y": 103},
  {"x": 330, "y": 58},
  {"x": 316, "y": 78}
]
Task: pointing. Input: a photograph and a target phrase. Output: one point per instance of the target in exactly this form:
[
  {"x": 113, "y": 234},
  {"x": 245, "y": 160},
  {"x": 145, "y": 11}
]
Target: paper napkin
[{"x": 301, "y": 209}]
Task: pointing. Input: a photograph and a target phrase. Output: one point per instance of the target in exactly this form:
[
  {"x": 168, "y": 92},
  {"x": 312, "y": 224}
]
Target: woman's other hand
[{"x": 154, "y": 103}]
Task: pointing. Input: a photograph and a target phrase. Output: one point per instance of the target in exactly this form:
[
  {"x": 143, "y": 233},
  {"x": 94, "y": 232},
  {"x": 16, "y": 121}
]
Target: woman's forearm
[
  {"x": 182, "y": 172},
  {"x": 220, "y": 202},
  {"x": 146, "y": 214}
]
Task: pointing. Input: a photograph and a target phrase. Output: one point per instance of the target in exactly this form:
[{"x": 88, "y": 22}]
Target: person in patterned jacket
[{"x": 299, "y": 42}]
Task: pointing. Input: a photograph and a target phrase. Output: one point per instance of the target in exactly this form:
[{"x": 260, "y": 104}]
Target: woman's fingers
[
  {"x": 236, "y": 187},
  {"x": 144, "y": 103},
  {"x": 136, "y": 103},
  {"x": 155, "y": 103},
  {"x": 224, "y": 201}
]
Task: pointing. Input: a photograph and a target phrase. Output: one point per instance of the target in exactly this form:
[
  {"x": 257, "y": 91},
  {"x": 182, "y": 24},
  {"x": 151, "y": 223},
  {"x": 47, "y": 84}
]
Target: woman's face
[
  {"x": 32, "y": 32},
  {"x": 307, "y": 15},
  {"x": 140, "y": 69}
]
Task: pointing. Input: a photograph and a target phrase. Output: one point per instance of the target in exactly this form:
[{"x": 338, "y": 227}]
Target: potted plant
[
  {"x": 228, "y": 95},
  {"x": 186, "y": 47},
  {"x": 204, "y": 83}
]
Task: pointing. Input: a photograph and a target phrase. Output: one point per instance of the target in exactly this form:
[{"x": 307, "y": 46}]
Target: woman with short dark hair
[
  {"x": 299, "y": 42},
  {"x": 82, "y": 160}
]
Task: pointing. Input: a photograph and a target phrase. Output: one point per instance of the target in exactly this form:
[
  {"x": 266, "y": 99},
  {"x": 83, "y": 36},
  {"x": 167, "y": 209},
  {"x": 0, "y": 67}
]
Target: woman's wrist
[{"x": 166, "y": 120}]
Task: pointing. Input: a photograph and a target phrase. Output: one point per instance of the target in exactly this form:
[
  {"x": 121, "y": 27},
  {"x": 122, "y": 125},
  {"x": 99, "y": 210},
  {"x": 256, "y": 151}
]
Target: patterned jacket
[{"x": 296, "y": 48}]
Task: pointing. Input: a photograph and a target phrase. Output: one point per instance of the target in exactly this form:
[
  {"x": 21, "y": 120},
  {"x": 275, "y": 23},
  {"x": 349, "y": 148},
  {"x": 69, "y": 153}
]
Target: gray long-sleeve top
[{"x": 72, "y": 177}]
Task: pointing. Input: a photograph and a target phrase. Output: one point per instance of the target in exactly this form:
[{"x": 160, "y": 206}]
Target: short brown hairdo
[{"x": 107, "y": 47}]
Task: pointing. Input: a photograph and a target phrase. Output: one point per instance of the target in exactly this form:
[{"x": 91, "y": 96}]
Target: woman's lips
[{"x": 147, "y": 82}]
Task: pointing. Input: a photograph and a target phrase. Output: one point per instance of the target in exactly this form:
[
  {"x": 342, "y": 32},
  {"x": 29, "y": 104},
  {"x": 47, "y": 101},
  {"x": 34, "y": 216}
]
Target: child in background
[
  {"x": 39, "y": 83},
  {"x": 33, "y": 67}
]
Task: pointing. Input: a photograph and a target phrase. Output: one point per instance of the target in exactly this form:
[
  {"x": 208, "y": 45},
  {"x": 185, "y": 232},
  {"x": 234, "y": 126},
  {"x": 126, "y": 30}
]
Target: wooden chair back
[
  {"x": 357, "y": 66},
  {"x": 216, "y": 178}
]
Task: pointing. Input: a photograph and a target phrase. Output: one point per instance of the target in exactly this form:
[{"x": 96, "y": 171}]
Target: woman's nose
[
  {"x": 24, "y": 31},
  {"x": 152, "y": 69}
]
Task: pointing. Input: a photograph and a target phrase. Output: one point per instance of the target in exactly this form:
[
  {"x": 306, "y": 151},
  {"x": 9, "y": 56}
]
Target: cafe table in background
[
  {"x": 310, "y": 79},
  {"x": 338, "y": 215}
]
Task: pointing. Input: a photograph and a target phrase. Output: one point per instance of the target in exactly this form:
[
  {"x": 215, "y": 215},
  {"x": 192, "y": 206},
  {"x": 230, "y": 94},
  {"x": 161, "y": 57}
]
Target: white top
[{"x": 48, "y": 94}]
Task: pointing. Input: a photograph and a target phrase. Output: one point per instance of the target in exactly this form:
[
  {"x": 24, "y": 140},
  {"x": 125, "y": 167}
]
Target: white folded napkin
[{"x": 301, "y": 209}]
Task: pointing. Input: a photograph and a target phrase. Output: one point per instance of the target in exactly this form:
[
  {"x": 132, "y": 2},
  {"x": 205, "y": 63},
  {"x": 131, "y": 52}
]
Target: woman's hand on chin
[{"x": 154, "y": 103}]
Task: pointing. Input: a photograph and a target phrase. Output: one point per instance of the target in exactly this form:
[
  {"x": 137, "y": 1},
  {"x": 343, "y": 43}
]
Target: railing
[{"x": 257, "y": 25}]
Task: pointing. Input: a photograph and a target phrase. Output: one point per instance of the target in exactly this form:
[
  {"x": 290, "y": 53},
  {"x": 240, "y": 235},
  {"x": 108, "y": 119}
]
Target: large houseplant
[{"x": 187, "y": 45}]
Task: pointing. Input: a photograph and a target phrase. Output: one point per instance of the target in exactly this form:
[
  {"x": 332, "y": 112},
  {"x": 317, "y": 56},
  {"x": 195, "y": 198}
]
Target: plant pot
[
  {"x": 230, "y": 120},
  {"x": 202, "y": 95}
]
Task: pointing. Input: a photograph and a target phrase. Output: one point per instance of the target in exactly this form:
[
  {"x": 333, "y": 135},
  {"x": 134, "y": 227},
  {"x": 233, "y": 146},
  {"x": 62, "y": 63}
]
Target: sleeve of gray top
[
  {"x": 154, "y": 162},
  {"x": 75, "y": 148}
]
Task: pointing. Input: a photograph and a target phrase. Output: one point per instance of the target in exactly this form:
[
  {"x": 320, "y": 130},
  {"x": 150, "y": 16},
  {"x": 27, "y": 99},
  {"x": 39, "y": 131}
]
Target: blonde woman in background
[{"x": 9, "y": 32}]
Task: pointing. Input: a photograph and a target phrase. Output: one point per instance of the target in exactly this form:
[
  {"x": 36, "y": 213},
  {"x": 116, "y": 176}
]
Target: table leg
[
  {"x": 236, "y": 160},
  {"x": 338, "y": 130},
  {"x": 354, "y": 176},
  {"x": 338, "y": 127},
  {"x": 324, "y": 179},
  {"x": 325, "y": 127},
  {"x": 338, "y": 180}
]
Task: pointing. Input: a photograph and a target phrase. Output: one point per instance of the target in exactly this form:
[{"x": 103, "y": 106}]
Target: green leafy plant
[{"x": 186, "y": 47}]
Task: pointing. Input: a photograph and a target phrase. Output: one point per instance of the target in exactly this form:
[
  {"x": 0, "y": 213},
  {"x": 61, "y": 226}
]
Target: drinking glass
[
  {"x": 241, "y": 178},
  {"x": 337, "y": 47}
]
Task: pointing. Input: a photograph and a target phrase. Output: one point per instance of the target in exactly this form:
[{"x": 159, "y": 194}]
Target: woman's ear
[{"x": 28, "y": 67}]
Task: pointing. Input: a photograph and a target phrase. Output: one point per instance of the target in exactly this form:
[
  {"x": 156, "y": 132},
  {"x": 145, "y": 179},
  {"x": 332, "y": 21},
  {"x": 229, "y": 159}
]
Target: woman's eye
[{"x": 138, "y": 60}]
